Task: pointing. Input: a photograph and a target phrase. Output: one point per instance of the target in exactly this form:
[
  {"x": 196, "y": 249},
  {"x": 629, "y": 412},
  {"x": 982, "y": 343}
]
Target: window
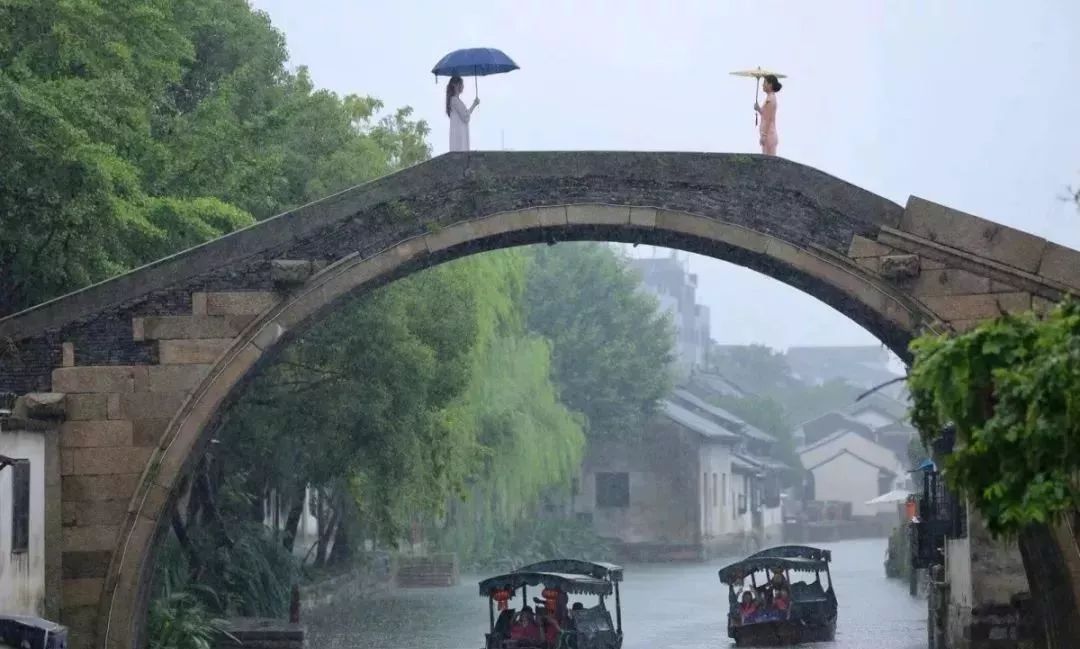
[
  {"x": 715, "y": 500},
  {"x": 723, "y": 487},
  {"x": 612, "y": 489},
  {"x": 20, "y": 506}
]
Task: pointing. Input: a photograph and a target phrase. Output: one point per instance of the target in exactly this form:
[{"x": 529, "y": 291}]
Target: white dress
[{"x": 459, "y": 125}]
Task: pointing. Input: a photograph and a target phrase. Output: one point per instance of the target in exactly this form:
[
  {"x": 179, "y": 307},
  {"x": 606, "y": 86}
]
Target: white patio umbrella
[{"x": 894, "y": 496}]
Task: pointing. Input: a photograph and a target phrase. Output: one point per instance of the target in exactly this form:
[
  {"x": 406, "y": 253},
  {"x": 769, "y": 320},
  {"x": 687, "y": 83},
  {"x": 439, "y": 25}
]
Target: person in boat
[
  {"x": 552, "y": 630},
  {"x": 503, "y": 624},
  {"x": 747, "y": 607},
  {"x": 526, "y": 629},
  {"x": 782, "y": 600},
  {"x": 776, "y": 582}
]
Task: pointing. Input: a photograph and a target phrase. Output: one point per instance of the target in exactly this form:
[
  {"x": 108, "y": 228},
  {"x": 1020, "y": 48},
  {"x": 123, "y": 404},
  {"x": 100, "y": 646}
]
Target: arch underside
[{"x": 877, "y": 307}]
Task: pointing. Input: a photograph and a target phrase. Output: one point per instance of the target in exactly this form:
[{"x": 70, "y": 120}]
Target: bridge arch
[{"x": 230, "y": 306}]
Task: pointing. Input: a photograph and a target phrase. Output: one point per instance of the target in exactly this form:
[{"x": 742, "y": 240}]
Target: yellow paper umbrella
[{"x": 757, "y": 73}]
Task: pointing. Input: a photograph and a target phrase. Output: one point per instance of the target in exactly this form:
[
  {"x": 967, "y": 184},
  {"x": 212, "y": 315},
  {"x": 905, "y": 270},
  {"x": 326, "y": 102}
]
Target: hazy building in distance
[{"x": 675, "y": 287}]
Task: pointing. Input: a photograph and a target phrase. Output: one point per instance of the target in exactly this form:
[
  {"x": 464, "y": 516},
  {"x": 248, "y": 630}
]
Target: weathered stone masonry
[{"x": 147, "y": 360}]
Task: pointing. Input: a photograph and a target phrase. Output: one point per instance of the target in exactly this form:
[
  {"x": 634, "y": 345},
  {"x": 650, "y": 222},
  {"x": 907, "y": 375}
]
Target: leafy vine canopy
[{"x": 1011, "y": 388}]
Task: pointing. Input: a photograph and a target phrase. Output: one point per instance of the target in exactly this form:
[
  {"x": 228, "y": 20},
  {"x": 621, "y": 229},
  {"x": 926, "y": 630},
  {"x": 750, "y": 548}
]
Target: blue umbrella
[{"x": 474, "y": 62}]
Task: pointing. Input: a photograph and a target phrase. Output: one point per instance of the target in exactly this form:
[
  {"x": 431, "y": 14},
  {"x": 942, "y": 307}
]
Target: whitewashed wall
[{"x": 22, "y": 575}]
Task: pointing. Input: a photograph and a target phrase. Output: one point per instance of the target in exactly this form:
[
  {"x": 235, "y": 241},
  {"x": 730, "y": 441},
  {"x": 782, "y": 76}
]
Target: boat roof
[
  {"x": 594, "y": 569},
  {"x": 737, "y": 571},
  {"x": 794, "y": 552},
  {"x": 568, "y": 583}
]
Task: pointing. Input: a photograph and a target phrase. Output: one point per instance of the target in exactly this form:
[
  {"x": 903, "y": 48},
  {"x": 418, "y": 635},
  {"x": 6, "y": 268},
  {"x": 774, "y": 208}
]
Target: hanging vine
[{"x": 1011, "y": 388}]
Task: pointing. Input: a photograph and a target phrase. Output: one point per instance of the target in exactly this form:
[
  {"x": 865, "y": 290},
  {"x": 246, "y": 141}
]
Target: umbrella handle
[{"x": 757, "y": 96}]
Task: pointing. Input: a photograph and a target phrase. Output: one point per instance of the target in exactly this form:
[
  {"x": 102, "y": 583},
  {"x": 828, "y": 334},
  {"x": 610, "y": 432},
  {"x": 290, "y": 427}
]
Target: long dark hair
[
  {"x": 455, "y": 81},
  {"x": 773, "y": 82}
]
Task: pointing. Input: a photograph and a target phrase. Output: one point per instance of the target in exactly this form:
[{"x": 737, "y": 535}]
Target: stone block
[
  {"x": 290, "y": 272},
  {"x": 94, "y": 378},
  {"x": 152, "y": 504},
  {"x": 198, "y": 303},
  {"x": 713, "y": 230},
  {"x": 872, "y": 264},
  {"x": 84, "y": 565},
  {"x": 148, "y": 432},
  {"x": 492, "y": 226},
  {"x": 186, "y": 327},
  {"x": 86, "y": 514},
  {"x": 45, "y": 405},
  {"x": 951, "y": 281},
  {"x": 94, "y": 537},
  {"x": 173, "y": 378},
  {"x": 268, "y": 335},
  {"x": 598, "y": 214},
  {"x": 82, "y": 407},
  {"x": 195, "y": 352},
  {"x": 239, "y": 302},
  {"x": 862, "y": 247},
  {"x": 95, "y": 488},
  {"x": 1061, "y": 264},
  {"x": 1002, "y": 287},
  {"x": 147, "y": 405},
  {"x": 67, "y": 354},
  {"x": 899, "y": 267},
  {"x": 644, "y": 217},
  {"x": 977, "y": 307},
  {"x": 552, "y": 216},
  {"x": 81, "y": 622},
  {"x": 81, "y": 592},
  {"x": 200, "y": 412},
  {"x": 972, "y": 234},
  {"x": 108, "y": 461},
  {"x": 88, "y": 434}
]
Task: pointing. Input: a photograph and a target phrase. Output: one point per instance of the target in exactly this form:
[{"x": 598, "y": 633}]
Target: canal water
[{"x": 665, "y": 606}]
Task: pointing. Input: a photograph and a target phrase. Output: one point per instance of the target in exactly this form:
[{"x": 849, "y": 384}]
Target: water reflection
[{"x": 677, "y": 606}]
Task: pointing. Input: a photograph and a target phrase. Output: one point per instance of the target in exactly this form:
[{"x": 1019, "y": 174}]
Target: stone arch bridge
[{"x": 127, "y": 377}]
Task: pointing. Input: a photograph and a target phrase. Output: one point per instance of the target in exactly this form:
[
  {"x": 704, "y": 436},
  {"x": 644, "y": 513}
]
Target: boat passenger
[
  {"x": 782, "y": 600},
  {"x": 526, "y": 629},
  {"x": 748, "y": 606},
  {"x": 552, "y": 630}
]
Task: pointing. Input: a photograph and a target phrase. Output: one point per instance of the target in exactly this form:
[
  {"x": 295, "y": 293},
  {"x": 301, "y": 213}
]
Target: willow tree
[{"x": 1011, "y": 389}]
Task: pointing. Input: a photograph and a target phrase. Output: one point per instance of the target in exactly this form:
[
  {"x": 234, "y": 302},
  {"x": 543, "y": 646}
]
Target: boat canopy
[
  {"x": 736, "y": 572},
  {"x": 568, "y": 583},
  {"x": 795, "y": 552},
  {"x": 594, "y": 569}
]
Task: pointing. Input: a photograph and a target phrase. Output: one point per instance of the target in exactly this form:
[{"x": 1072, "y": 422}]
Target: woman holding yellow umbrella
[{"x": 770, "y": 83}]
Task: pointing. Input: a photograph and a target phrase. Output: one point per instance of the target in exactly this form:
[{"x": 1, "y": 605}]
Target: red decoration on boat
[{"x": 501, "y": 596}]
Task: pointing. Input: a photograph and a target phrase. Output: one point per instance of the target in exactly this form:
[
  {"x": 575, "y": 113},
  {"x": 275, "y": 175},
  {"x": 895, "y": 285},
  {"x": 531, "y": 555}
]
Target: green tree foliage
[
  {"x": 133, "y": 129},
  {"x": 1012, "y": 389},
  {"x": 611, "y": 347}
]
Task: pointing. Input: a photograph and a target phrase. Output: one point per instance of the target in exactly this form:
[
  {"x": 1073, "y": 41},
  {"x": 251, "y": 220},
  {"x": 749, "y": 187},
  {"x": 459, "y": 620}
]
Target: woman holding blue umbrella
[
  {"x": 458, "y": 114},
  {"x": 476, "y": 62}
]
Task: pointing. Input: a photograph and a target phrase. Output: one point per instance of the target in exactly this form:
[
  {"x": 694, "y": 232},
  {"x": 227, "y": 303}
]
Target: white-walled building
[
  {"x": 848, "y": 467},
  {"x": 22, "y": 523}
]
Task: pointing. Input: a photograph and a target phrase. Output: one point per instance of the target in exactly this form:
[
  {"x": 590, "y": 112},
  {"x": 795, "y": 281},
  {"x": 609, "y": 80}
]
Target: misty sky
[{"x": 969, "y": 103}]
